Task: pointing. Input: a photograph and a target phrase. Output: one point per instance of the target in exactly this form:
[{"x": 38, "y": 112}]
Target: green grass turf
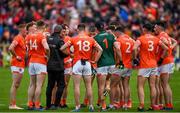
[{"x": 5, "y": 84}]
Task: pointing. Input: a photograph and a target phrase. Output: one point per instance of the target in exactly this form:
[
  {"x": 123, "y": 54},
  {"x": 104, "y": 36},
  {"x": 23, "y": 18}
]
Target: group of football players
[{"x": 110, "y": 55}]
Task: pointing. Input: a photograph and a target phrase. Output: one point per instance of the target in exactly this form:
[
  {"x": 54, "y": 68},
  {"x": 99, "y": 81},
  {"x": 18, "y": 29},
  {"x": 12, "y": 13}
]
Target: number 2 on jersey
[
  {"x": 105, "y": 42},
  {"x": 128, "y": 47},
  {"x": 83, "y": 45},
  {"x": 33, "y": 44}
]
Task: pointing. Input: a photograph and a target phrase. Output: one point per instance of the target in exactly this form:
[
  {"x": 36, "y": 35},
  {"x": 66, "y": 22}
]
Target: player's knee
[
  {"x": 16, "y": 85},
  {"x": 164, "y": 85}
]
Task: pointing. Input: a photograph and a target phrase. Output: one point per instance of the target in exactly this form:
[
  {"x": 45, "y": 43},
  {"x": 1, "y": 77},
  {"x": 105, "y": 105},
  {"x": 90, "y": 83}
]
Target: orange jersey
[
  {"x": 36, "y": 50},
  {"x": 148, "y": 47},
  {"x": 67, "y": 60},
  {"x": 169, "y": 58},
  {"x": 83, "y": 47},
  {"x": 126, "y": 47},
  {"x": 20, "y": 50}
]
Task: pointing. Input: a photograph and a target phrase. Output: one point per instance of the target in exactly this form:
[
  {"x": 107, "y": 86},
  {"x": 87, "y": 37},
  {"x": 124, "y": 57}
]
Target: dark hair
[
  {"x": 64, "y": 26},
  {"x": 113, "y": 25},
  {"x": 81, "y": 27},
  {"x": 100, "y": 26},
  {"x": 161, "y": 23},
  {"x": 92, "y": 28},
  {"x": 29, "y": 25},
  {"x": 120, "y": 29},
  {"x": 148, "y": 26},
  {"x": 40, "y": 23},
  {"x": 58, "y": 29},
  {"x": 21, "y": 26}
]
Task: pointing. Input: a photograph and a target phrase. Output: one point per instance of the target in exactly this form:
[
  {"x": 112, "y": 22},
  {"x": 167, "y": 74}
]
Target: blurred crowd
[{"x": 128, "y": 13}]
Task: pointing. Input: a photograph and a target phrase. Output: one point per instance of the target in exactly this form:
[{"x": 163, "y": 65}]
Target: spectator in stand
[{"x": 129, "y": 13}]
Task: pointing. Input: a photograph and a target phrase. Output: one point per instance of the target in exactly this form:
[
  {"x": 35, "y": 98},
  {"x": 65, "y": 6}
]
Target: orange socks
[
  {"x": 99, "y": 101},
  {"x": 103, "y": 105},
  {"x": 37, "y": 104},
  {"x": 63, "y": 101},
  {"x": 13, "y": 102},
  {"x": 121, "y": 103},
  {"x": 141, "y": 105},
  {"x": 86, "y": 101},
  {"x": 169, "y": 105},
  {"x": 30, "y": 104}
]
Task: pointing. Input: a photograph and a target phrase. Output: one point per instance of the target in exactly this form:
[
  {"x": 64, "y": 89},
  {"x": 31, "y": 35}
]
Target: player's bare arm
[
  {"x": 66, "y": 45},
  {"x": 65, "y": 51},
  {"x": 46, "y": 47},
  {"x": 174, "y": 43},
  {"x": 135, "y": 48},
  {"x": 163, "y": 45},
  {"x": 118, "y": 51},
  {"x": 11, "y": 49},
  {"x": 99, "y": 52}
]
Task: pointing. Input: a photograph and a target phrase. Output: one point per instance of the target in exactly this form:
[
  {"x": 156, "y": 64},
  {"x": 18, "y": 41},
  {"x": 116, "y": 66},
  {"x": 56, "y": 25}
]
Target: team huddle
[{"x": 110, "y": 55}]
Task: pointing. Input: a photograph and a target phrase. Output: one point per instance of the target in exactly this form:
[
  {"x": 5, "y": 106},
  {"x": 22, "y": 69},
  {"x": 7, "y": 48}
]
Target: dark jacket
[{"x": 56, "y": 60}]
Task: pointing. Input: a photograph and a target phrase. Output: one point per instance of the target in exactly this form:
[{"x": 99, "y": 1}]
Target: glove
[
  {"x": 160, "y": 61},
  {"x": 135, "y": 62},
  {"x": 120, "y": 65}
]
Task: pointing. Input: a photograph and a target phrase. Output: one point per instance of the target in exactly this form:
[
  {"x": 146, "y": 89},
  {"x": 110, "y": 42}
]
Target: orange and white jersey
[
  {"x": 166, "y": 39},
  {"x": 36, "y": 51},
  {"x": 20, "y": 50},
  {"x": 68, "y": 59},
  {"x": 83, "y": 47},
  {"x": 148, "y": 45},
  {"x": 126, "y": 46}
]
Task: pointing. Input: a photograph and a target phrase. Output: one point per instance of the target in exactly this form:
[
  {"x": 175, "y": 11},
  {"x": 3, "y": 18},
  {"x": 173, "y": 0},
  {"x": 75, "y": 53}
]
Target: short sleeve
[{"x": 17, "y": 39}]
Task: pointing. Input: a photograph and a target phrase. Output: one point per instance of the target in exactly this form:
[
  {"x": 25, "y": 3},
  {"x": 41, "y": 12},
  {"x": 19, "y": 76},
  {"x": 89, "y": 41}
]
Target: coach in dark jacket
[{"x": 55, "y": 67}]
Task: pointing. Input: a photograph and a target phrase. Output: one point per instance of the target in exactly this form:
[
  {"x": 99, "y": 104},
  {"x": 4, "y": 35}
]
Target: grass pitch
[{"x": 5, "y": 84}]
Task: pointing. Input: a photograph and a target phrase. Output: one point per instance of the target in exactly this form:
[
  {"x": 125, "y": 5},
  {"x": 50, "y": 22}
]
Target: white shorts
[
  {"x": 123, "y": 72},
  {"x": 105, "y": 70},
  {"x": 79, "y": 69},
  {"x": 172, "y": 67},
  {"x": 68, "y": 71},
  {"x": 16, "y": 69},
  {"x": 167, "y": 68},
  {"x": 147, "y": 72},
  {"x": 37, "y": 68}
]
